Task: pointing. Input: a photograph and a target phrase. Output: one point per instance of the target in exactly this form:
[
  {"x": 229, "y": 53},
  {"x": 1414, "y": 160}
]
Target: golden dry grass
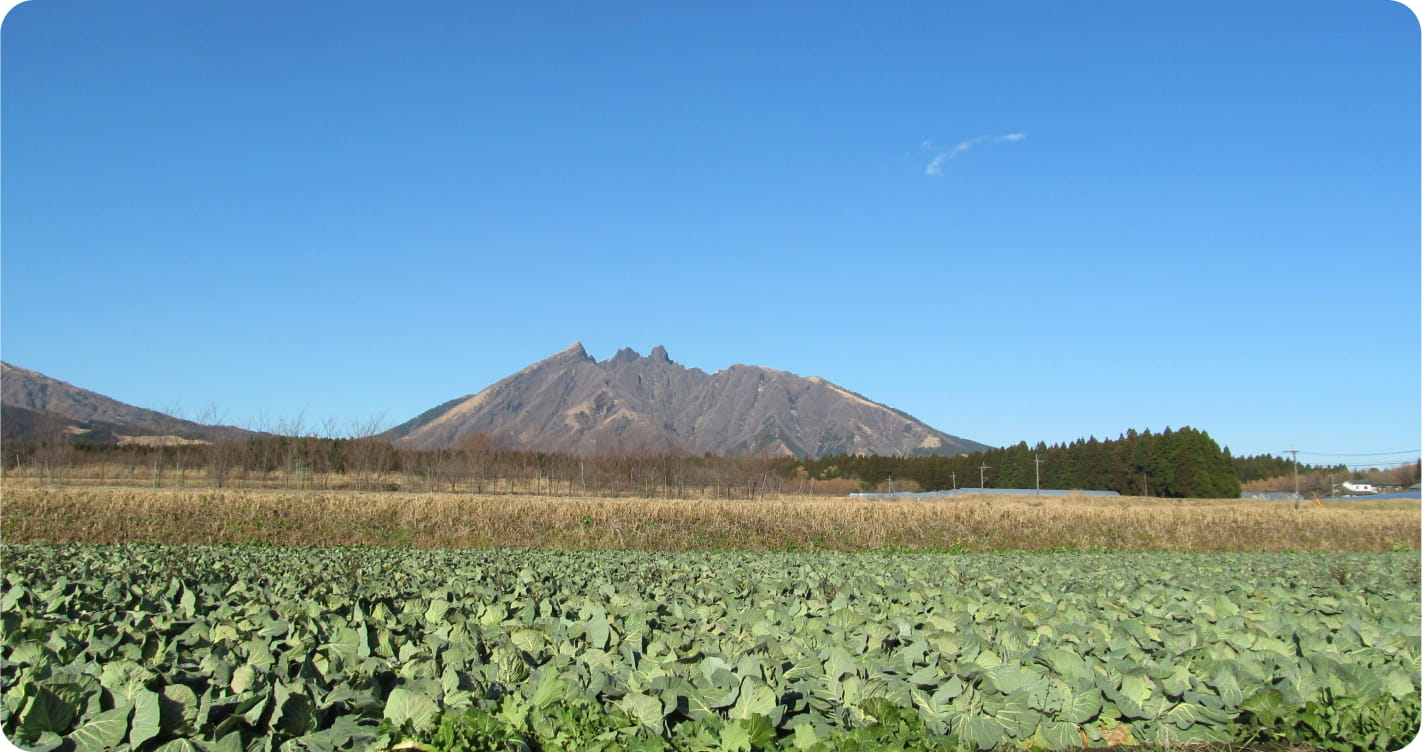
[{"x": 35, "y": 513}]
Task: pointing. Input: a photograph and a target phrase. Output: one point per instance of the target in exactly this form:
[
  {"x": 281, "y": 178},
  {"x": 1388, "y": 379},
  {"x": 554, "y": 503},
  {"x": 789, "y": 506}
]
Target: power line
[{"x": 1357, "y": 454}]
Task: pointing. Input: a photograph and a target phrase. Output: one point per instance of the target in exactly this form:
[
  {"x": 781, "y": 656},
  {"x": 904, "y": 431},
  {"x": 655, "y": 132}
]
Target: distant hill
[
  {"x": 571, "y": 402},
  {"x": 39, "y": 408}
]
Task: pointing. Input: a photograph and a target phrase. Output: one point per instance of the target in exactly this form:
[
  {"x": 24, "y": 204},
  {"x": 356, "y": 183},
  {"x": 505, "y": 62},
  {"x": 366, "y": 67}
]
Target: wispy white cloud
[{"x": 935, "y": 167}]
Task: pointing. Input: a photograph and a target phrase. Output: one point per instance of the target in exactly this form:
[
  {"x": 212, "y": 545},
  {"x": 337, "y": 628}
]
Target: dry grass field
[{"x": 30, "y": 512}]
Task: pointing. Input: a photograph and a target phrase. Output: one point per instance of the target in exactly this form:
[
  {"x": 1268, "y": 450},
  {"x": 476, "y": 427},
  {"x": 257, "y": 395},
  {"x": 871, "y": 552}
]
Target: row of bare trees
[
  {"x": 366, "y": 463},
  {"x": 1323, "y": 481}
]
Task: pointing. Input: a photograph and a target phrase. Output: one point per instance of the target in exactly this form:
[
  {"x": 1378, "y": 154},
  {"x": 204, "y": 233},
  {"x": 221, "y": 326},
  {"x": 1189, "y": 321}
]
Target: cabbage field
[{"x": 266, "y": 648}]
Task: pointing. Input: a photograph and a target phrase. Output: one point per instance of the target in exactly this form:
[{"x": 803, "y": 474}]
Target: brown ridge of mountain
[
  {"x": 570, "y": 402},
  {"x": 38, "y": 407}
]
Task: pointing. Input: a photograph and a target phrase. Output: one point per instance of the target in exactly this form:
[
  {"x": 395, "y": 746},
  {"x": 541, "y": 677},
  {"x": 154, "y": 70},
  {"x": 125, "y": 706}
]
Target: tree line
[
  {"x": 479, "y": 465},
  {"x": 1267, "y": 466},
  {"x": 1322, "y": 480},
  {"x": 1173, "y": 463}
]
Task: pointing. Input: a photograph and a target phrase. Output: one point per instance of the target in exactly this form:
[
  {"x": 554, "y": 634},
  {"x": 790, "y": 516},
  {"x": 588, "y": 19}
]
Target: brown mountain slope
[
  {"x": 571, "y": 402},
  {"x": 86, "y": 415}
]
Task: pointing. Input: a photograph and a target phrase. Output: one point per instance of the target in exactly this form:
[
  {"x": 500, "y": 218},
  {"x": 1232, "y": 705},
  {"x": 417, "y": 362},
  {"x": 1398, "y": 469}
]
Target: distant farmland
[{"x": 60, "y": 514}]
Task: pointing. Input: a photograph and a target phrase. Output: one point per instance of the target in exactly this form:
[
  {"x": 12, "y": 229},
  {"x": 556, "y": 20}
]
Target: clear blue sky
[{"x": 1014, "y": 221}]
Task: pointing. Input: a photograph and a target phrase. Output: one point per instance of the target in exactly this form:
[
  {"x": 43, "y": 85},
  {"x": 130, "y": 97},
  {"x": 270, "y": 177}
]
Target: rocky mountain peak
[
  {"x": 625, "y": 355},
  {"x": 574, "y": 351},
  {"x": 570, "y": 402},
  {"x": 628, "y": 355}
]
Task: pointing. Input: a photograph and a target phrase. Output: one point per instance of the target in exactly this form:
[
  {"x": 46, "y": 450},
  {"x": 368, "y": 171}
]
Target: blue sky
[{"x": 1014, "y": 221}]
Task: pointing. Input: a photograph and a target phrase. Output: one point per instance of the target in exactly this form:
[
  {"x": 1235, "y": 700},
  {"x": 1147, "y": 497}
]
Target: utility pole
[
  {"x": 955, "y": 480},
  {"x": 1038, "y": 462},
  {"x": 1295, "y": 453},
  {"x": 982, "y": 482}
]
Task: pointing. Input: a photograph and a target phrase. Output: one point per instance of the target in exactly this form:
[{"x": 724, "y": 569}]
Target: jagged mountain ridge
[
  {"x": 38, "y": 407},
  {"x": 571, "y": 402}
]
